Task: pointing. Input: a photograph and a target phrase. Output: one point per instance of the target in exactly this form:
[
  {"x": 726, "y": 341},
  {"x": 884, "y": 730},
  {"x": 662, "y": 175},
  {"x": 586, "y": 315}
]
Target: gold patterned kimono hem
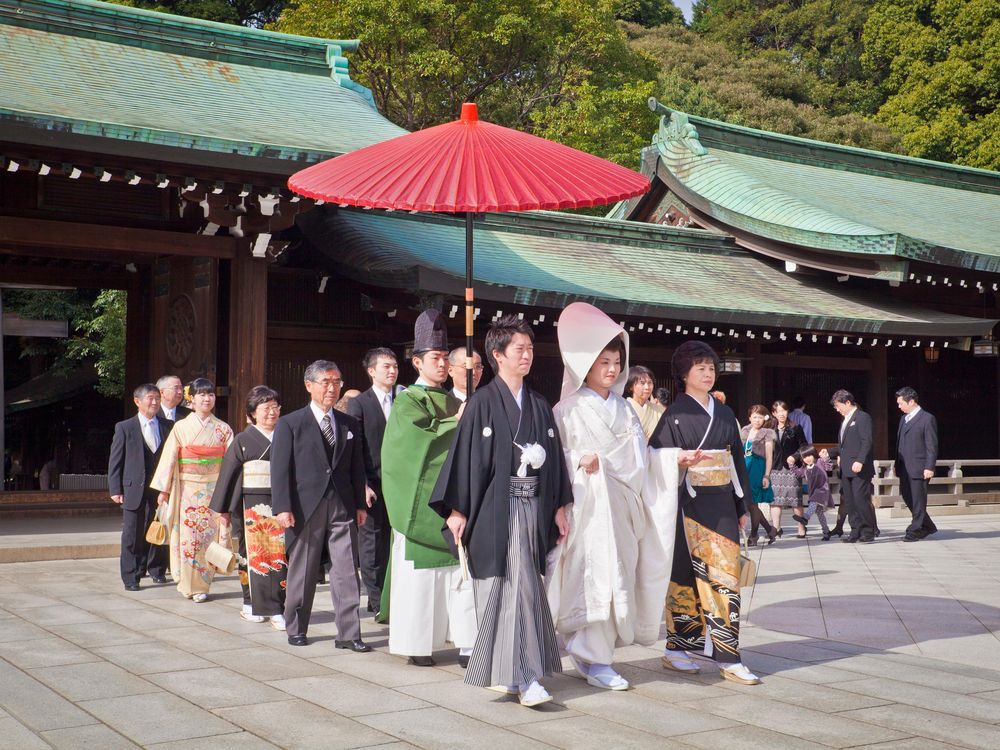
[
  {"x": 188, "y": 470},
  {"x": 704, "y": 593}
]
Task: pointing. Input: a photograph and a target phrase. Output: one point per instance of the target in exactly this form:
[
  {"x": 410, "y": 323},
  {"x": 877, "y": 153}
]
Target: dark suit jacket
[
  {"x": 181, "y": 412},
  {"x": 791, "y": 440},
  {"x": 367, "y": 409},
  {"x": 917, "y": 443},
  {"x": 127, "y": 465},
  {"x": 857, "y": 444},
  {"x": 301, "y": 473}
]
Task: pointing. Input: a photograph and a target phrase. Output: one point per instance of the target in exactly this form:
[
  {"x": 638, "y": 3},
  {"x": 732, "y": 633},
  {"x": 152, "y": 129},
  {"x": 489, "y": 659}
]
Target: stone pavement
[{"x": 888, "y": 645}]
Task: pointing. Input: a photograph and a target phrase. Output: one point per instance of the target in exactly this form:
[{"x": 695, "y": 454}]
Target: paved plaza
[{"x": 888, "y": 645}]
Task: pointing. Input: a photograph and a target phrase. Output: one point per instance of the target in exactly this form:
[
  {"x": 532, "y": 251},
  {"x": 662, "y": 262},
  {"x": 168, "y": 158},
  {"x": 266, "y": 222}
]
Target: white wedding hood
[{"x": 583, "y": 332}]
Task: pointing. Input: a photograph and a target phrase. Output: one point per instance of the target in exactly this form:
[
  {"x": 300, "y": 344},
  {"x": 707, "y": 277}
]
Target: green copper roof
[
  {"x": 551, "y": 259},
  {"x": 94, "y": 68},
  {"x": 831, "y": 198}
]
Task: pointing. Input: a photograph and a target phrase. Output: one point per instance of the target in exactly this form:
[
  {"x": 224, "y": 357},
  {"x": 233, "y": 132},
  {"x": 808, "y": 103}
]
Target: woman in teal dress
[{"x": 758, "y": 452}]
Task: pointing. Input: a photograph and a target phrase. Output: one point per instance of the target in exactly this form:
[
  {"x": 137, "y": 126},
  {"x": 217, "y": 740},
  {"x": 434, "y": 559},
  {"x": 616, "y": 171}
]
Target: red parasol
[{"x": 468, "y": 166}]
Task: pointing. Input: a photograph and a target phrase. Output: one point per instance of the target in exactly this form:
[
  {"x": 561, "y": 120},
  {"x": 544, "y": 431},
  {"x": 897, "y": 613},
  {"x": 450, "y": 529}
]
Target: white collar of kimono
[
  {"x": 608, "y": 403},
  {"x": 711, "y": 404},
  {"x": 583, "y": 333},
  {"x": 265, "y": 434}
]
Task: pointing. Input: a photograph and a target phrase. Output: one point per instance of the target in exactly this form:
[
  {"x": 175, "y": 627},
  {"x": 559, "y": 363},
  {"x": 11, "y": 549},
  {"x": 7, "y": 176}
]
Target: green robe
[{"x": 417, "y": 438}]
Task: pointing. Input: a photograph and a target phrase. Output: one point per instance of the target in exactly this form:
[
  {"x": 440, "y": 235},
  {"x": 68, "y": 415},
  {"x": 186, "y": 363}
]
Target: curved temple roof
[
  {"x": 551, "y": 259},
  {"x": 93, "y": 68},
  {"x": 837, "y": 202}
]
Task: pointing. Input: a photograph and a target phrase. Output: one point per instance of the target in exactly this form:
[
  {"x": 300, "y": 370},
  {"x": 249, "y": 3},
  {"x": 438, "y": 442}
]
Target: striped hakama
[{"x": 516, "y": 643}]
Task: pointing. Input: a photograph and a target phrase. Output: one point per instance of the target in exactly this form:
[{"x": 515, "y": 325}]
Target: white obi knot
[{"x": 531, "y": 453}]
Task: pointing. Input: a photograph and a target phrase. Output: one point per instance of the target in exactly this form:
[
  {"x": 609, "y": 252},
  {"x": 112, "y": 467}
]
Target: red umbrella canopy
[{"x": 468, "y": 166}]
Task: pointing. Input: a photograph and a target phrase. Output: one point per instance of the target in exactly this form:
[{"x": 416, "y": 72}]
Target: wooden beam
[
  {"x": 878, "y": 400},
  {"x": 15, "y": 325},
  {"x": 808, "y": 362},
  {"x": 69, "y": 239},
  {"x": 62, "y": 276}
]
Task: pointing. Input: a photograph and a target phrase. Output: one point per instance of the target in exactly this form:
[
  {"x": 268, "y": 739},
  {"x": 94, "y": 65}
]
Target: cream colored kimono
[{"x": 188, "y": 469}]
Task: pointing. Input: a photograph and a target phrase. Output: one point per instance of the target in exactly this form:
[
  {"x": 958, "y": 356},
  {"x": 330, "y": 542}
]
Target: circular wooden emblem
[{"x": 180, "y": 330}]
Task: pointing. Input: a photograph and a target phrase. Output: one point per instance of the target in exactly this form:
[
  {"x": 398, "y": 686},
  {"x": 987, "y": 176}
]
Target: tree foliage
[
  {"x": 938, "y": 65},
  {"x": 515, "y": 58},
  {"x": 241, "y": 12},
  {"x": 762, "y": 90},
  {"x": 650, "y": 13}
]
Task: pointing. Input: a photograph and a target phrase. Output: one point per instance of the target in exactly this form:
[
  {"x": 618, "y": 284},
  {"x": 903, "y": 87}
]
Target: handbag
[
  {"x": 222, "y": 557},
  {"x": 748, "y": 568},
  {"x": 157, "y": 531}
]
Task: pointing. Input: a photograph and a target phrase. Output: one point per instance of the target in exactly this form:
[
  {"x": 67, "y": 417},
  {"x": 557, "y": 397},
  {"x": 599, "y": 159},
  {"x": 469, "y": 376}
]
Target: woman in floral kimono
[
  {"x": 243, "y": 500},
  {"x": 610, "y": 577},
  {"x": 186, "y": 476}
]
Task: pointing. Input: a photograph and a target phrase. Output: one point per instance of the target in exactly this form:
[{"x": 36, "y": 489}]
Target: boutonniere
[
  {"x": 552, "y": 433},
  {"x": 350, "y": 435}
]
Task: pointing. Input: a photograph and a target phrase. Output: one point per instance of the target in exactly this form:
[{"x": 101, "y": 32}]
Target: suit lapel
[
  {"x": 338, "y": 449},
  {"x": 311, "y": 428}
]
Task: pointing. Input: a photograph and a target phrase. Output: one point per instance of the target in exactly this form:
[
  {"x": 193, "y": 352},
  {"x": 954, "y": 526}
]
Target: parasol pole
[{"x": 469, "y": 300}]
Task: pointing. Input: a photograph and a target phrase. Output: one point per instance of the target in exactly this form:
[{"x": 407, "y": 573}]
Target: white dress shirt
[
  {"x": 911, "y": 415},
  {"x": 150, "y": 432}
]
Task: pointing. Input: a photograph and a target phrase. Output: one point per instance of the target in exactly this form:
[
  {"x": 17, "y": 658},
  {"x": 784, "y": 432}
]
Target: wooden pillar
[
  {"x": 878, "y": 400},
  {"x": 247, "y": 331},
  {"x": 138, "y": 332},
  {"x": 754, "y": 376}
]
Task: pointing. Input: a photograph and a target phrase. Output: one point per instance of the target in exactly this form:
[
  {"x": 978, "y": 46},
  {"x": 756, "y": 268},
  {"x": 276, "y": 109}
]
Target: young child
[{"x": 813, "y": 474}]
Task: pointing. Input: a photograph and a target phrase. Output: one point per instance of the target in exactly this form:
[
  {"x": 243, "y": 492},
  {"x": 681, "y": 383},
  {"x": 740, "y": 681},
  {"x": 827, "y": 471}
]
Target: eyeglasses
[
  {"x": 334, "y": 383},
  {"x": 269, "y": 407}
]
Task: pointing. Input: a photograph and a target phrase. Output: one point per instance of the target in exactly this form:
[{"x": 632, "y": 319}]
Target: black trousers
[
  {"x": 374, "y": 542},
  {"x": 858, "y": 496},
  {"x": 914, "y": 491},
  {"x": 139, "y": 557}
]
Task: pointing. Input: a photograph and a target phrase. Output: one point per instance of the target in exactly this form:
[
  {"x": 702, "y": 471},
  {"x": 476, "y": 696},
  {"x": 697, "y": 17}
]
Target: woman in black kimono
[
  {"x": 243, "y": 491},
  {"x": 703, "y": 602}
]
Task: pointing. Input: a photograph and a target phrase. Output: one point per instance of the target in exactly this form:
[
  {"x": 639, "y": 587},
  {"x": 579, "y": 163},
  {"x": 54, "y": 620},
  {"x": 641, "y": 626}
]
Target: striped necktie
[{"x": 327, "y": 430}]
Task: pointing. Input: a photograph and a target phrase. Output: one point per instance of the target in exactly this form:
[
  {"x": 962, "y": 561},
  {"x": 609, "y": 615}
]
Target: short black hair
[
  {"x": 907, "y": 394},
  {"x": 843, "y": 396},
  {"x": 141, "y": 390},
  {"x": 662, "y": 395},
  {"x": 201, "y": 385},
  {"x": 260, "y": 394},
  {"x": 635, "y": 374},
  {"x": 798, "y": 402},
  {"x": 501, "y": 333},
  {"x": 371, "y": 356},
  {"x": 689, "y": 354},
  {"x": 806, "y": 451}
]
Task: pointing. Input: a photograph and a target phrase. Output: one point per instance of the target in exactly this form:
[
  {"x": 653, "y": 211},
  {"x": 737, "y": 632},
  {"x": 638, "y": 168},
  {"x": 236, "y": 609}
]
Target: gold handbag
[
  {"x": 157, "y": 531},
  {"x": 748, "y": 568}
]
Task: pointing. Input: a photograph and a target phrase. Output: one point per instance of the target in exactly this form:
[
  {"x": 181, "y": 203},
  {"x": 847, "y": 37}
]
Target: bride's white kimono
[{"x": 608, "y": 581}]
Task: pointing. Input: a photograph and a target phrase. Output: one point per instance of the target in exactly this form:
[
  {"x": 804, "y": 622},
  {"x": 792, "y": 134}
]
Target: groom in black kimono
[{"x": 503, "y": 491}]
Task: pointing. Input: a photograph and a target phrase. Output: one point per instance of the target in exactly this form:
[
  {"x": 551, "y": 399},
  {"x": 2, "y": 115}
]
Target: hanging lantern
[
  {"x": 730, "y": 363},
  {"x": 931, "y": 355},
  {"x": 985, "y": 347}
]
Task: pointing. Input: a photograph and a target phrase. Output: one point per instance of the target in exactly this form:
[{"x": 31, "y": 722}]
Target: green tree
[
  {"x": 101, "y": 338},
  {"x": 938, "y": 65},
  {"x": 242, "y": 12},
  {"x": 515, "y": 58},
  {"x": 761, "y": 89},
  {"x": 820, "y": 37},
  {"x": 650, "y": 13}
]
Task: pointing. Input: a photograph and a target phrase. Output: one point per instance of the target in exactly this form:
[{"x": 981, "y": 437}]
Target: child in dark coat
[{"x": 813, "y": 474}]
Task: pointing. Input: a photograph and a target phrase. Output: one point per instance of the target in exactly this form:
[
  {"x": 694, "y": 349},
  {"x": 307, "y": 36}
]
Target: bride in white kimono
[{"x": 608, "y": 581}]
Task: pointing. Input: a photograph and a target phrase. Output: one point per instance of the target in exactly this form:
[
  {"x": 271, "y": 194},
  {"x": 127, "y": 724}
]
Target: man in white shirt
[
  {"x": 171, "y": 394},
  {"x": 372, "y": 409},
  {"x": 457, "y": 372}
]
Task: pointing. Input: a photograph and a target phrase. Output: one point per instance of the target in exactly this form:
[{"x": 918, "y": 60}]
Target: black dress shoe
[
  {"x": 131, "y": 586},
  {"x": 826, "y": 536},
  {"x": 160, "y": 579},
  {"x": 867, "y": 540},
  {"x": 837, "y": 530},
  {"x": 421, "y": 661},
  {"x": 878, "y": 532},
  {"x": 463, "y": 661},
  {"x": 771, "y": 537},
  {"x": 800, "y": 519},
  {"x": 298, "y": 640},
  {"x": 751, "y": 541},
  {"x": 849, "y": 539},
  {"x": 356, "y": 645},
  {"x": 911, "y": 538}
]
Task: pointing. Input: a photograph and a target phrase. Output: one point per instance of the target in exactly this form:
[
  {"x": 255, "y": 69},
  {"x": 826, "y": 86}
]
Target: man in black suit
[
  {"x": 371, "y": 409},
  {"x": 317, "y": 493},
  {"x": 171, "y": 395},
  {"x": 857, "y": 466},
  {"x": 135, "y": 452},
  {"x": 916, "y": 457}
]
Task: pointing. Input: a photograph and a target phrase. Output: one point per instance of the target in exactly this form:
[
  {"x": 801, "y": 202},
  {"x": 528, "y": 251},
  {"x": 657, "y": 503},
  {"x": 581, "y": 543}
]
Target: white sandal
[
  {"x": 679, "y": 661},
  {"x": 608, "y": 679},
  {"x": 278, "y": 622},
  {"x": 199, "y": 598},
  {"x": 247, "y": 614},
  {"x": 739, "y": 674},
  {"x": 505, "y": 689},
  {"x": 534, "y": 695}
]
